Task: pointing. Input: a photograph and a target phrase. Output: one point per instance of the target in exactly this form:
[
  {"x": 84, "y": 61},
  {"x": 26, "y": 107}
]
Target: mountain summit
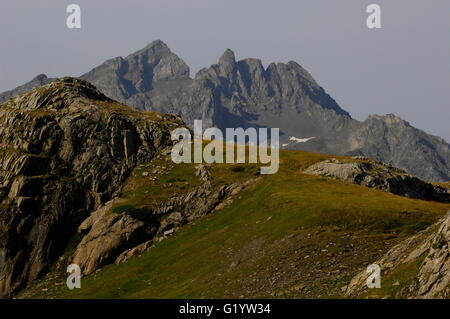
[
  {"x": 123, "y": 78},
  {"x": 245, "y": 94}
]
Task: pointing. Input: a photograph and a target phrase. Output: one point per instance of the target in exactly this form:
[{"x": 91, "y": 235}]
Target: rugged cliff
[{"x": 65, "y": 148}]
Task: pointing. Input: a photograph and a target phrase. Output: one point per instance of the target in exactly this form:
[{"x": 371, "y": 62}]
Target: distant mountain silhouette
[{"x": 245, "y": 94}]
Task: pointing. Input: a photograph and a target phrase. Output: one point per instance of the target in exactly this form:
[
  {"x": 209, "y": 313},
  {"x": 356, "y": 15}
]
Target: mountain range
[{"x": 245, "y": 94}]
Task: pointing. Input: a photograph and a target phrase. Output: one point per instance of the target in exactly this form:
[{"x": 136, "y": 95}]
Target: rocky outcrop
[
  {"x": 112, "y": 237},
  {"x": 38, "y": 81},
  {"x": 380, "y": 176},
  {"x": 65, "y": 149},
  {"x": 109, "y": 236},
  {"x": 431, "y": 249}
]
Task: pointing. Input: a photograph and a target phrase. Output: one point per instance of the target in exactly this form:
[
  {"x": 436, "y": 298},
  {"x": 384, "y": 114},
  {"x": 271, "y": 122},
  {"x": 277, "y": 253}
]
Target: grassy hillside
[{"x": 288, "y": 235}]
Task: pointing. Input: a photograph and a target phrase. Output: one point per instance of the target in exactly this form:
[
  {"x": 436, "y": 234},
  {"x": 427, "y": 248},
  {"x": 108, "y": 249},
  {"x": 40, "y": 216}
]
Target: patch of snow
[{"x": 300, "y": 140}]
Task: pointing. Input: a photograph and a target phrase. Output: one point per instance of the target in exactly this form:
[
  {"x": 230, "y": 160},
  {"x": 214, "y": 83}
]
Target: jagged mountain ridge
[{"x": 245, "y": 94}]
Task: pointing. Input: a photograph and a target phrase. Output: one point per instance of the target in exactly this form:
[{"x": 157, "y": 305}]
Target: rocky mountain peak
[
  {"x": 393, "y": 119},
  {"x": 73, "y": 88},
  {"x": 157, "y": 45},
  {"x": 37, "y": 81},
  {"x": 122, "y": 78},
  {"x": 157, "y": 62},
  {"x": 40, "y": 77},
  {"x": 227, "y": 61},
  {"x": 390, "y": 119},
  {"x": 57, "y": 94}
]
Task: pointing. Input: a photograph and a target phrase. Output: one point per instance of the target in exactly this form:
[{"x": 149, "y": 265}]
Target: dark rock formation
[
  {"x": 65, "y": 149},
  {"x": 284, "y": 95},
  {"x": 380, "y": 176}
]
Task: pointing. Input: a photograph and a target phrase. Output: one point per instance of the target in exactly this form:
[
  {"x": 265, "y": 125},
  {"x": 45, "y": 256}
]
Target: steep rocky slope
[
  {"x": 65, "y": 149},
  {"x": 243, "y": 93},
  {"x": 286, "y": 235},
  {"x": 418, "y": 267}
]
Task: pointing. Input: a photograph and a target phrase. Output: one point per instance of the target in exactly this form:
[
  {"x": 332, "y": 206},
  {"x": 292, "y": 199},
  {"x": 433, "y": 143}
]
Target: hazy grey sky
[{"x": 403, "y": 68}]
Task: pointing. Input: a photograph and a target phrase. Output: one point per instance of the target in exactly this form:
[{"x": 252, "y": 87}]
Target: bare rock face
[
  {"x": 108, "y": 236},
  {"x": 115, "y": 237},
  {"x": 378, "y": 175},
  {"x": 432, "y": 279},
  {"x": 131, "y": 79},
  {"x": 65, "y": 149}
]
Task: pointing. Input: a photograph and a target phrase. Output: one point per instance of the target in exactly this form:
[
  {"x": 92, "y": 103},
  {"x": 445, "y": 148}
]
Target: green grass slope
[{"x": 289, "y": 235}]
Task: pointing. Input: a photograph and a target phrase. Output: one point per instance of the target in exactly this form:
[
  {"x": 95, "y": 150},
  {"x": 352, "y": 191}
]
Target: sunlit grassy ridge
[{"x": 289, "y": 235}]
